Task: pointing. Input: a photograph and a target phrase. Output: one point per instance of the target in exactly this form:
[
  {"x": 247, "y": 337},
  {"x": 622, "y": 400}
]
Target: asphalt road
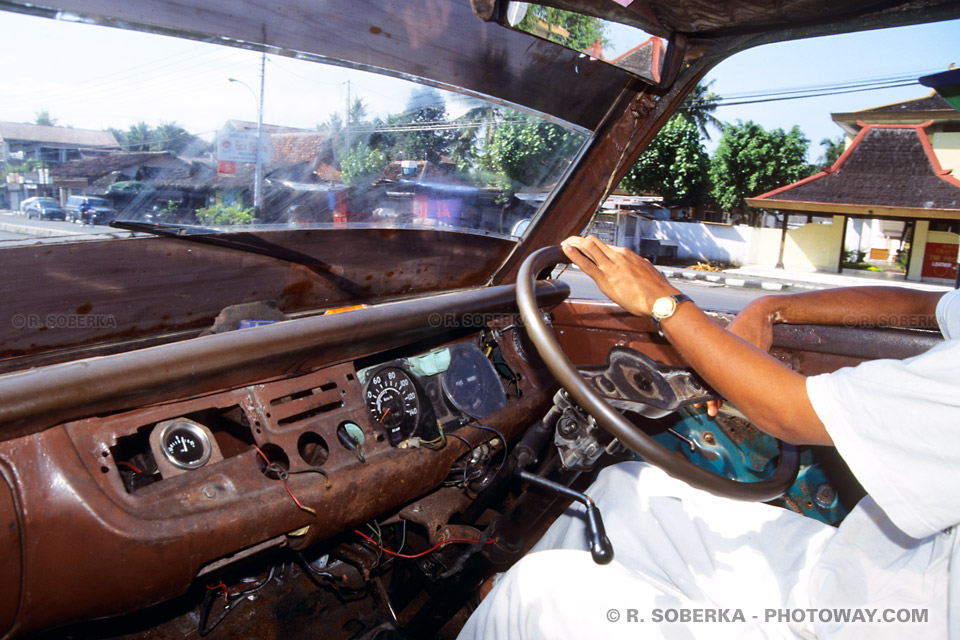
[{"x": 705, "y": 294}]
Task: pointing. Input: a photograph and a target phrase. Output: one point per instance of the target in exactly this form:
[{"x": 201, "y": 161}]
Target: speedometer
[{"x": 394, "y": 401}]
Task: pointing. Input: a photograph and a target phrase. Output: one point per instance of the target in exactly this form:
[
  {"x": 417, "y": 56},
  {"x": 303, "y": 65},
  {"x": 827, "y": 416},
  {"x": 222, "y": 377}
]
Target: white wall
[{"x": 702, "y": 240}]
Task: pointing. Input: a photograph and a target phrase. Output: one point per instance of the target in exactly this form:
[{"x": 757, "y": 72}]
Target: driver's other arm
[{"x": 768, "y": 392}]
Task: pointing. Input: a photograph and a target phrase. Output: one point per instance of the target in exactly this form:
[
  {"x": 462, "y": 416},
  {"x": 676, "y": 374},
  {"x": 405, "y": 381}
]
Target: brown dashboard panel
[
  {"x": 588, "y": 329},
  {"x": 99, "y": 538}
]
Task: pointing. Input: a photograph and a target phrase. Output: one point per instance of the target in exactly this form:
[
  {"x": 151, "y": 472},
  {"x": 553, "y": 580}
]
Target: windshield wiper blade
[
  {"x": 245, "y": 241},
  {"x": 162, "y": 228}
]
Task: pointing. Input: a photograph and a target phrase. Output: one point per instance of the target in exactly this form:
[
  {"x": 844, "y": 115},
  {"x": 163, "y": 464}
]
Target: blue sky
[
  {"x": 914, "y": 50},
  {"x": 97, "y": 77}
]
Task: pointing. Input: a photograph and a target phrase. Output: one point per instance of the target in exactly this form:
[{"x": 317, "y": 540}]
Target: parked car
[
  {"x": 44, "y": 209},
  {"x": 89, "y": 210},
  {"x": 24, "y": 203},
  {"x": 239, "y": 432}
]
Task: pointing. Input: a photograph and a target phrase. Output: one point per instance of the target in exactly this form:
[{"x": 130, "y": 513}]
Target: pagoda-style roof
[
  {"x": 887, "y": 171},
  {"x": 914, "y": 111}
]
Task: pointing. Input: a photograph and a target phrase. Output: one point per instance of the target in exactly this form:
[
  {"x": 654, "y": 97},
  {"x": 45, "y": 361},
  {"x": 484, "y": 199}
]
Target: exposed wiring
[
  {"x": 422, "y": 553},
  {"x": 130, "y": 466},
  {"x": 284, "y": 474},
  {"x": 437, "y": 443},
  {"x": 231, "y": 598}
]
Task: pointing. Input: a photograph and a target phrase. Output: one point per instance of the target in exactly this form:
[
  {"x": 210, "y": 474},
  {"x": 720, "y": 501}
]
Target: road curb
[
  {"x": 42, "y": 232},
  {"x": 766, "y": 284}
]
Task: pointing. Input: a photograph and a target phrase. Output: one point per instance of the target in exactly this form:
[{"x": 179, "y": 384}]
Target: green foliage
[
  {"x": 674, "y": 166},
  {"x": 31, "y": 164},
  {"x": 169, "y": 136},
  {"x": 750, "y": 161},
  {"x": 223, "y": 215},
  {"x": 425, "y": 108},
  {"x": 43, "y": 119},
  {"x": 699, "y": 106},
  {"x": 833, "y": 148},
  {"x": 583, "y": 30},
  {"x": 362, "y": 164},
  {"x": 471, "y": 140},
  {"x": 527, "y": 152}
]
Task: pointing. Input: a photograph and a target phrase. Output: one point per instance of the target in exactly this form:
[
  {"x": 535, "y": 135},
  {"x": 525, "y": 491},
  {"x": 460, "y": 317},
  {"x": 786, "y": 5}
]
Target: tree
[
  {"x": 528, "y": 151},
  {"x": 699, "y": 106},
  {"x": 170, "y": 136},
  {"x": 478, "y": 126},
  {"x": 833, "y": 148},
  {"x": 573, "y": 30},
  {"x": 362, "y": 164},
  {"x": 675, "y": 166},
  {"x": 138, "y": 137},
  {"x": 751, "y": 160},
  {"x": 424, "y": 141},
  {"x": 43, "y": 119}
]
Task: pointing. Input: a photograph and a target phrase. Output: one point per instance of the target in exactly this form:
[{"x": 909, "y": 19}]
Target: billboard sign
[{"x": 241, "y": 146}]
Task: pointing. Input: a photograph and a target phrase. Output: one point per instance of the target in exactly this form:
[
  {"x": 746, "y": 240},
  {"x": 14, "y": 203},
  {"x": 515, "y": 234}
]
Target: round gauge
[
  {"x": 394, "y": 401},
  {"x": 471, "y": 382},
  {"x": 185, "y": 444}
]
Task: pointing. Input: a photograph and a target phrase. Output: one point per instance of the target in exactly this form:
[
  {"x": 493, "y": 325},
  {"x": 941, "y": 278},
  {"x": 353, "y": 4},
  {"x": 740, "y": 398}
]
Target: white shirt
[
  {"x": 680, "y": 549},
  {"x": 896, "y": 423}
]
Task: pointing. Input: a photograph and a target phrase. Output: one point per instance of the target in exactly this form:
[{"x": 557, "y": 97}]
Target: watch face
[{"x": 663, "y": 307}]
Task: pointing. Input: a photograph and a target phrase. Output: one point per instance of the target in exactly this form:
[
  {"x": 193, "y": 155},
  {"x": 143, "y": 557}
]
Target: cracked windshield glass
[{"x": 181, "y": 136}]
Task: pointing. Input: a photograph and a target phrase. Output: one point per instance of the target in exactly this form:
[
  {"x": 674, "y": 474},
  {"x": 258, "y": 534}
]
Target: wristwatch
[{"x": 666, "y": 306}]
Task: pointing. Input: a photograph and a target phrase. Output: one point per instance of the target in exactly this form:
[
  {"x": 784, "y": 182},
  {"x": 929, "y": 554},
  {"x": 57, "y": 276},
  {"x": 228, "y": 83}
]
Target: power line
[{"x": 723, "y": 102}]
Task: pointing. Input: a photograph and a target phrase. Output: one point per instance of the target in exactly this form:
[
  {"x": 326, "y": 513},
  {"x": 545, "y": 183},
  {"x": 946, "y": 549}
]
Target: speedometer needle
[{"x": 385, "y": 414}]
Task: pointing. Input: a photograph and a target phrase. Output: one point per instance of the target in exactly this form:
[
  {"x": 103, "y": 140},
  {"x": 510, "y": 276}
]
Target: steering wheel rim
[{"x": 611, "y": 420}]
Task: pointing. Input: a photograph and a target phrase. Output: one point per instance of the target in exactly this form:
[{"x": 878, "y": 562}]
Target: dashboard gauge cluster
[{"x": 412, "y": 397}]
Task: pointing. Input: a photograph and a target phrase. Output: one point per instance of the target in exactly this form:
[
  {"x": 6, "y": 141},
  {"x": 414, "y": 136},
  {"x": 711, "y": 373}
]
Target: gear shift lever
[{"x": 600, "y": 547}]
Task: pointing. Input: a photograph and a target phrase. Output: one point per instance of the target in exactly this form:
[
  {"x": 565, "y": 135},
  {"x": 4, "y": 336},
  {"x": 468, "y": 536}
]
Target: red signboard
[
  {"x": 940, "y": 261},
  {"x": 226, "y": 167}
]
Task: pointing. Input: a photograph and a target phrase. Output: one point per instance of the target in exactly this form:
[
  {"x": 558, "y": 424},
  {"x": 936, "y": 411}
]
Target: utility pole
[
  {"x": 258, "y": 164},
  {"x": 258, "y": 175}
]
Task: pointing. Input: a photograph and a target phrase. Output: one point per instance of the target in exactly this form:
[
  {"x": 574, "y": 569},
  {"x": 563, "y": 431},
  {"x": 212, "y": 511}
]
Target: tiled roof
[
  {"x": 931, "y": 102},
  {"x": 645, "y": 59},
  {"x": 102, "y": 165},
  {"x": 885, "y": 166},
  {"x": 296, "y": 147},
  {"x": 56, "y": 135}
]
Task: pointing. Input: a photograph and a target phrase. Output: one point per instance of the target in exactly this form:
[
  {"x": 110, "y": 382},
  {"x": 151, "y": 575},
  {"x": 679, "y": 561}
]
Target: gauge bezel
[
  {"x": 198, "y": 432},
  {"x": 423, "y": 425}
]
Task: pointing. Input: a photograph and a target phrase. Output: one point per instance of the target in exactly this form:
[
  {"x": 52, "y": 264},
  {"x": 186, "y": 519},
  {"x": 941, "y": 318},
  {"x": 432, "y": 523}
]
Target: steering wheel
[{"x": 613, "y": 422}]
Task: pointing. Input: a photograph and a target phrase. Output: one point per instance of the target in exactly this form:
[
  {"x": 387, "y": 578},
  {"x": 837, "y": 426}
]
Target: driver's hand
[{"x": 626, "y": 278}]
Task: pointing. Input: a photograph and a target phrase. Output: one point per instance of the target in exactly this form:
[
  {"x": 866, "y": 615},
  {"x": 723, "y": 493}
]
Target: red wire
[
  {"x": 285, "y": 485},
  {"x": 127, "y": 464},
  {"x": 422, "y": 553}
]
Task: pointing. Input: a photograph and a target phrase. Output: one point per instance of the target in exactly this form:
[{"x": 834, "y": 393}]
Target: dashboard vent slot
[{"x": 308, "y": 403}]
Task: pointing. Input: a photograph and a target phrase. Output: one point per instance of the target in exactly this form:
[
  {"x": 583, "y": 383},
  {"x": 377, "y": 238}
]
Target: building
[
  {"x": 893, "y": 187},
  {"x": 47, "y": 146}
]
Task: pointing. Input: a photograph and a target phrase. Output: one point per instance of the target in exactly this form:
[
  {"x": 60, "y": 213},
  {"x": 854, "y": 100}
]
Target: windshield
[{"x": 183, "y": 133}]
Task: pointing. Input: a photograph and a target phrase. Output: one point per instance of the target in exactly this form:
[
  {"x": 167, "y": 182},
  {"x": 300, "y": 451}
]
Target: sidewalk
[{"x": 771, "y": 279}]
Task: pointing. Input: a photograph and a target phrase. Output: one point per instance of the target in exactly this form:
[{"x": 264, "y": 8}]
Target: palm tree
[
  {"x": 43, "y": 118},
  {"x": 139, "y": 137},
  {"x": 699, "y": 106}
]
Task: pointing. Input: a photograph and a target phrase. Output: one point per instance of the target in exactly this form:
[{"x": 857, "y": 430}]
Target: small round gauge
[
  {"x": 185, "y": 444},
  {"x": 394, "y": 401}
]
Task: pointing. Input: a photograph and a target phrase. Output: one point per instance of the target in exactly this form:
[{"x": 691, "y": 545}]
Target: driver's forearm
[
  {"x": 770, "y": 394},
  {"x": 853, "y": 306}
]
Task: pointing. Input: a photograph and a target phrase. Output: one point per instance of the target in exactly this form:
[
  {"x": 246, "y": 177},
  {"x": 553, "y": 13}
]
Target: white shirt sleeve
[
  {"x": 948, "y": 315},
  {"x": 896, "y": 423}
]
